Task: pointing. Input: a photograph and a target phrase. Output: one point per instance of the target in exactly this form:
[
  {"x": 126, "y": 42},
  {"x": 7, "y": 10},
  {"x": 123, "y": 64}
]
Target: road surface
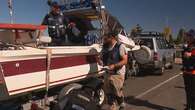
[{"x": 153, "y": 92}]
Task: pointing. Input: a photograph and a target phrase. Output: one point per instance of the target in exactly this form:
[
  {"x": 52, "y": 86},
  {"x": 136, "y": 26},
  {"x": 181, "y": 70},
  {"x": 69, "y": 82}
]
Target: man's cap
[{"x": 55, "y": 4}]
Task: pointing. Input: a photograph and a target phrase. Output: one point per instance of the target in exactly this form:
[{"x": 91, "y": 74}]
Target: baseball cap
[{"x": 55, "y": 4}]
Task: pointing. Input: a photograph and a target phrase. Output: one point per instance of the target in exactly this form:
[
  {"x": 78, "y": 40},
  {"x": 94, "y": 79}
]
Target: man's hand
[{"x": 112, "y": 67}]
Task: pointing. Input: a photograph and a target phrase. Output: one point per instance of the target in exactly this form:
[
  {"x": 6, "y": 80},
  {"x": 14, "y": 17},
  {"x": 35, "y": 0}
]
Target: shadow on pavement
[
  {"x": 147, "y": 73},
  {"x": 180, "y": 87},
  {"x": 144, "y": 103}
]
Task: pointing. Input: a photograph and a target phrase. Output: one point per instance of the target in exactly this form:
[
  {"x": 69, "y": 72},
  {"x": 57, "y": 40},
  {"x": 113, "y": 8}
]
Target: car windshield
[{"x": 147, "y": 42}]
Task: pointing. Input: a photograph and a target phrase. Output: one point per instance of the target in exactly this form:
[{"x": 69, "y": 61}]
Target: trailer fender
[
  {"x": 67, "y": 89},
  {"x": 94, "y": 84},
  {"x": 62, "y": 100}
]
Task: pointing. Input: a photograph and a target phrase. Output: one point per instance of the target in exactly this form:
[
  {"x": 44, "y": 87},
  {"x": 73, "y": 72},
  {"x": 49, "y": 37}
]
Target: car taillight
[
  {"x": 193, "y": 52},
  {"x": 156, "y": 56}
]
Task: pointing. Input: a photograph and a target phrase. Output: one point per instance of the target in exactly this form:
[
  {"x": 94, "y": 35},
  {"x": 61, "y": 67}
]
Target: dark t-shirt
[
  {"x": 56, "y": 24},
  {"x": 188, "y": 62}
]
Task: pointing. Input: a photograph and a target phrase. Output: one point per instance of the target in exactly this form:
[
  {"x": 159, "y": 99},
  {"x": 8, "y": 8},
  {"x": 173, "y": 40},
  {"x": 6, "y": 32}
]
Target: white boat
[{"x": 25, "y": 68}]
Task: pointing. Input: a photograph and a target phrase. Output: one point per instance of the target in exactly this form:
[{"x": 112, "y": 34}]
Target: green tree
[
  {"x": 167, "y": 33},
  {"x": 138, "y": 29},
  {"x": 171, "y": 40},
  {"x": 180, "y": 36}
]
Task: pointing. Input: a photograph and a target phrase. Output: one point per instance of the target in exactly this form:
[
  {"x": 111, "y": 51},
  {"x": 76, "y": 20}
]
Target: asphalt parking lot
[{"x": 154, "y": 92}]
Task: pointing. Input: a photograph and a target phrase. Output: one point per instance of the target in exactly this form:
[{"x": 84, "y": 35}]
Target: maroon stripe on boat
[
  {"x": 13, "y": 68},
  {"x": 1, "y": 81}
]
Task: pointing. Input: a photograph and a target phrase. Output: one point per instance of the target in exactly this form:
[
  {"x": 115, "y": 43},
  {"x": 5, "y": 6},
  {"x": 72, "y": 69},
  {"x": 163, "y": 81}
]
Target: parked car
[{"x": 162, "y": 53}]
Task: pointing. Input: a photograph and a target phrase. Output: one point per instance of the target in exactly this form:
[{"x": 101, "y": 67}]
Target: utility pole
[
  {"x": 10, "y": 6},
  {"x": 103, "y": 20}
]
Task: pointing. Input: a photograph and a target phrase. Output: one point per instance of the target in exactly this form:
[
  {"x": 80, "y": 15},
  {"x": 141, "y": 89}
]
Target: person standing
[
  {"x": 188, "y": 56},
  {"x": 114, "y": 56},
  {"x": 57, "y": 24}
]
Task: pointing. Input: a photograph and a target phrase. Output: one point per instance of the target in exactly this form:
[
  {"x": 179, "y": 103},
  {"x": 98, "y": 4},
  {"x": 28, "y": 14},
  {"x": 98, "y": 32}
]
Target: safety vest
[
  {"x": 189, "y": 63},
  {"x": 56, "y": 25},
  {"x": 111, "y": 56}
]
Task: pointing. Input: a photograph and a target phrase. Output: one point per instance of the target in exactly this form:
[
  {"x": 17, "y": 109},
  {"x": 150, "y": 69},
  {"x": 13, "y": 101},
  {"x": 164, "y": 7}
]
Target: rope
[{"x": 47, "y": 79}]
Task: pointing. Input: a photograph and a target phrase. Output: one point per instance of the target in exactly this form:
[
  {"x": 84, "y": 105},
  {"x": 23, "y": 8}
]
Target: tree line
[{"x": 178, "y": 39}]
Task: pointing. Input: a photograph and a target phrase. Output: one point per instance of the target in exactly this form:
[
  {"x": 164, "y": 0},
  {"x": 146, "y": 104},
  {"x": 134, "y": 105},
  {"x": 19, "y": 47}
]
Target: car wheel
[
  {"x": 161, "y": 70},
  {"x": 171, "y": 65}
]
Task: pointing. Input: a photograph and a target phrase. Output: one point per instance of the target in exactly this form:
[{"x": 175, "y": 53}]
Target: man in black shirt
[
  {"x": 57, "y": 24},
  {"x": 188, "y": 56}
]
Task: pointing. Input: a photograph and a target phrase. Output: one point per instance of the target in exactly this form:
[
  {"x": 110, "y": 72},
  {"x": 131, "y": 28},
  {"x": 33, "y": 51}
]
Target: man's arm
[
  {"x": 45, "y": 20},
  {"x": 122, "y": 62}
]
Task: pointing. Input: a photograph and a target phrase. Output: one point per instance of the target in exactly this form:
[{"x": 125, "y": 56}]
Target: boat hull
[{"x": 24, "y": 73}]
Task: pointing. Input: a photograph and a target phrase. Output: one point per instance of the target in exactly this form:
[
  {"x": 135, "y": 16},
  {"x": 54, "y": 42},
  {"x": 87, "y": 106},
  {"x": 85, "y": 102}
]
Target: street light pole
[{"x": 10, "y": 6}]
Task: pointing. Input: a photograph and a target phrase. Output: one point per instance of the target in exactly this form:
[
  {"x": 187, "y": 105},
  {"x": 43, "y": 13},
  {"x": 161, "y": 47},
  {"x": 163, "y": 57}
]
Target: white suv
[{"x": 162, "y": 53}]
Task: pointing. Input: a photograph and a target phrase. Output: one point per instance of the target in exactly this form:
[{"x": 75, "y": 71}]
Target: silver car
[{"x": 162, "y": 53}]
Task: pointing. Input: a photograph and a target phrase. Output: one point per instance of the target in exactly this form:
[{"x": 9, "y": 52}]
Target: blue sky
[{"x": 151, "y": 14}]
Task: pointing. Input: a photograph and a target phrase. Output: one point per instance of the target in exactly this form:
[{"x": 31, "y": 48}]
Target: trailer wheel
[
  {"x": 100, "y": 97},
  {"x": 73, "y": 91},
  {"x": 62, "y": 100},
  {"x": 68, "y": 89}
]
